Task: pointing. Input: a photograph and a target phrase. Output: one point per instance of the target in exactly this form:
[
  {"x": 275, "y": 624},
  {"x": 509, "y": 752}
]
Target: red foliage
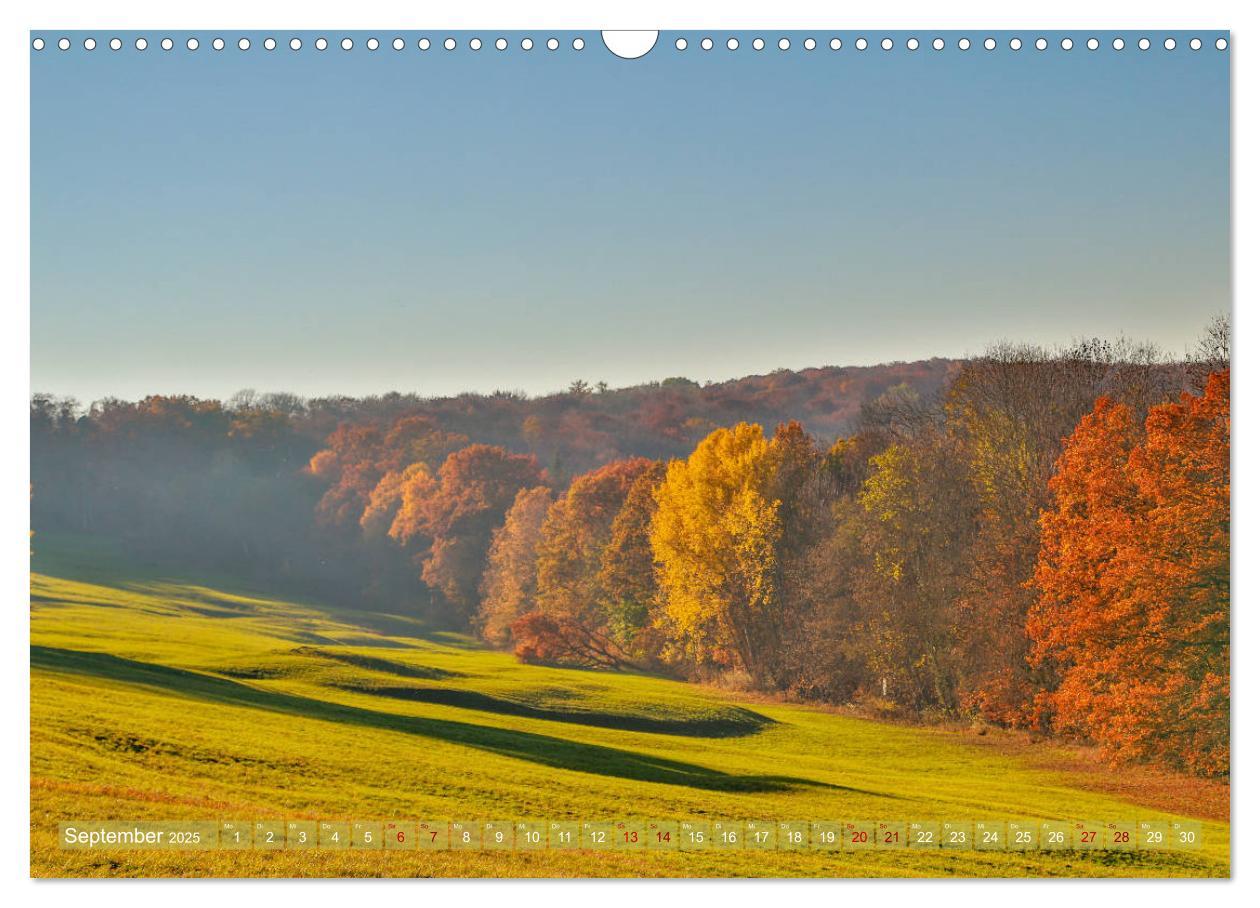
[
  {"x": 551, "y": 640},
  {"x": 1133, "y": 574},
  {"x": 349, "y": 462},
  {"x": 459, "y": 513}
]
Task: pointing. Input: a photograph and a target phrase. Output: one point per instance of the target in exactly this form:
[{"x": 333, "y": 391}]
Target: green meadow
[{"x": 158, "y": 696}]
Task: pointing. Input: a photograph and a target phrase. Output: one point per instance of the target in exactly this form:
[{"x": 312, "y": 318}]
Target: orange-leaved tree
[
  {"x": 458, "y": 513},
  {"x": 1133, "y": 581},
  {"x": 510, "y": 584},
  {"x": 575, "y": 534}
]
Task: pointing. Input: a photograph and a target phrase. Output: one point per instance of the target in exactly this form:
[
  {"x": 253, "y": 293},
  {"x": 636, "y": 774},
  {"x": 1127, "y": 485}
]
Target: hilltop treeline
[{"x": 1032, "y": 537}]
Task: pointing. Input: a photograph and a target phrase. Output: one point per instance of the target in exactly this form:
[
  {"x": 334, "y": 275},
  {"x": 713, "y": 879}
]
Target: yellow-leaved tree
[{"x": 715, "y": 536}]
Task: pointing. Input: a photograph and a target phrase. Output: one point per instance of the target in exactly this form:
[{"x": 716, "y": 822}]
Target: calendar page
[{"x": 561, "y": 453}]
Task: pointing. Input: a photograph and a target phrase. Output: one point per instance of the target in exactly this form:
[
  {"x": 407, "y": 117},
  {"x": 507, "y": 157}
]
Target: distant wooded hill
[{"x": 589, "y": 425}]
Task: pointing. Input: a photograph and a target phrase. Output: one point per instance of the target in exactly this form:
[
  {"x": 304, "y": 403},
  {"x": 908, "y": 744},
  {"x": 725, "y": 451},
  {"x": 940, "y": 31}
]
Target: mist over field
[{"x": 230, "y": 482}]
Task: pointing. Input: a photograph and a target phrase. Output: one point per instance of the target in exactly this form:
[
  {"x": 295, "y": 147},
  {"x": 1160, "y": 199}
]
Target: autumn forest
[{"x": 1031, "y": 537}]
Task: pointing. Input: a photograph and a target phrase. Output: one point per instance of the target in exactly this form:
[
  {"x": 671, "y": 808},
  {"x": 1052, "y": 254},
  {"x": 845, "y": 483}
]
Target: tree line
[
  {"x": 1045, "y": 545},
  {"x": 1040, "y": 538}
]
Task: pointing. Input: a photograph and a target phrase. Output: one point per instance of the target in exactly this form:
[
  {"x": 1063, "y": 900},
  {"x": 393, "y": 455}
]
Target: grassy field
[{"x": 159, "y": 697}]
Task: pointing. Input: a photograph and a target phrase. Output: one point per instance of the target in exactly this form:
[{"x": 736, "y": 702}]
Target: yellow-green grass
[{"x": 158, "y": 697}]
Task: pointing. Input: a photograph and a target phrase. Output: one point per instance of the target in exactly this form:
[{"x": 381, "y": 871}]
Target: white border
[{"x": 1156, "y": 15}]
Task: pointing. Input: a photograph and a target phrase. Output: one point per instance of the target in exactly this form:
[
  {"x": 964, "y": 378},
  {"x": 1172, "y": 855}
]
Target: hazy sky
[{"x": 356, "y": 222}]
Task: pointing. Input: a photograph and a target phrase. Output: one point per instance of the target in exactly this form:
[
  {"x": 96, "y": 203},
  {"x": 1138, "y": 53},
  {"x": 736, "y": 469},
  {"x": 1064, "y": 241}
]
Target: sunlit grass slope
[{"x": 158, "y": 697}]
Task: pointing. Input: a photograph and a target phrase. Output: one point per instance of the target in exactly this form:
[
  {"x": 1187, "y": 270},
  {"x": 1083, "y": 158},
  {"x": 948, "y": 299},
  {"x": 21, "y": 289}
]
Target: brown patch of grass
[{"x": 1086, "y": 767}]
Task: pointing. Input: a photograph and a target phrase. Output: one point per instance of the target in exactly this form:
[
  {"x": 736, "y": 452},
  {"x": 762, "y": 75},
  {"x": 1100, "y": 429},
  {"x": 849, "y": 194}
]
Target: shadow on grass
[
  {"x": 375, "y": 664},
  {"x": 737, "y": 722},
  {"x": 541, "y": 749}
]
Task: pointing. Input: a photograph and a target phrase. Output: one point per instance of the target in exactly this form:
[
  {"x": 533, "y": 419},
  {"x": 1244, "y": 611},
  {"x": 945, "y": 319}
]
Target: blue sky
[{"x": 357, "y": 222}]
